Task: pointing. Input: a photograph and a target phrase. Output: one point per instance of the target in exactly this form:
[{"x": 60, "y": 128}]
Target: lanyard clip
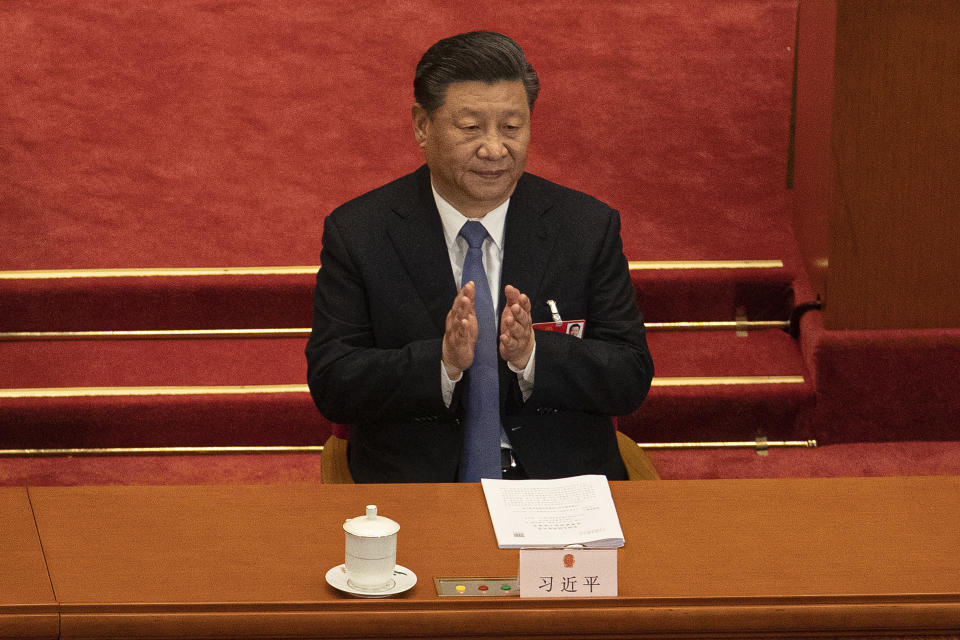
[{"x": 555, "y": 312}]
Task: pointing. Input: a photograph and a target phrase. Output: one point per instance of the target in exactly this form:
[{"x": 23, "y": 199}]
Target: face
[{"x": 476, "y": 143}]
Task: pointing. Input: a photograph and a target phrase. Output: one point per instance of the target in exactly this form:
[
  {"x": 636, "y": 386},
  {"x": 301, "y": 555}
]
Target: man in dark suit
[{"x": 423, "y": 338}]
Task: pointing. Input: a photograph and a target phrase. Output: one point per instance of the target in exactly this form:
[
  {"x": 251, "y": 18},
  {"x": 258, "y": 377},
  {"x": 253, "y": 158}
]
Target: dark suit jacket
[{"x": 381, "y": 300}]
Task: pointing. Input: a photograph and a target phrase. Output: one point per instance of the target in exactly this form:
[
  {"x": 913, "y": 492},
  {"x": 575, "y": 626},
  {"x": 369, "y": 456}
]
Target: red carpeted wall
[{"x": 196, "y": 133}]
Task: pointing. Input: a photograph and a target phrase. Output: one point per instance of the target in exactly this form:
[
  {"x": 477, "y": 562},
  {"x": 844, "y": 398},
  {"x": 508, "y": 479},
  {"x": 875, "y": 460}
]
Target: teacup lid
[{"x": 371, "y": 525}]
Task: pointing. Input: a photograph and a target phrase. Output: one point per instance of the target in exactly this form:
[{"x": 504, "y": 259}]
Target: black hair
[{"x": 477, "y": 56}]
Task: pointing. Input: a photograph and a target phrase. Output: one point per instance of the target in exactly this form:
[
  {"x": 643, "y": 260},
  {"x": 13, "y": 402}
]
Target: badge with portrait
[{"x": 573, "y": 328}]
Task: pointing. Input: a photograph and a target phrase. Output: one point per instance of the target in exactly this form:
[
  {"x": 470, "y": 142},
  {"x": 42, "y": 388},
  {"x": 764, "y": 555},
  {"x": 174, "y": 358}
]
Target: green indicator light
[{"x": 505, "y": 587}]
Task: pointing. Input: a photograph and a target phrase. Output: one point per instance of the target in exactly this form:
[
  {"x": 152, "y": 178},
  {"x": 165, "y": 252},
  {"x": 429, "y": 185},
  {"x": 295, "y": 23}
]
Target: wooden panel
[
  {"x": 894, "y": 257},
  {"x": 702, "y": 557},
  {"x": 27, "y": 605},
  {"x": 812, "y": 191}
]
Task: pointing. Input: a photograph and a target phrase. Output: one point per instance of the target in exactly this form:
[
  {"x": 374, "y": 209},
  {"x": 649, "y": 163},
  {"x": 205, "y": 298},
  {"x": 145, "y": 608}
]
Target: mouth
[{"x": 491, "y": 175}]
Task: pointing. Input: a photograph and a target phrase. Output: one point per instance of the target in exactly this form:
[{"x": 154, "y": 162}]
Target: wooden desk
[
  {"x": 27, "y": 606},
  {"x": 706, "y": 558}
]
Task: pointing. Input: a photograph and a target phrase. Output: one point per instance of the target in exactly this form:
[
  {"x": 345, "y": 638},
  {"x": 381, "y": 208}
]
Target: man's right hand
[{"x": 460, "y": 334}]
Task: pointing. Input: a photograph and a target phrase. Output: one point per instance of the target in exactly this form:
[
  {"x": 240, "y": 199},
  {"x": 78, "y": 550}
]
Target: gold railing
[
  {"x": 179, "y": 272},
  {"x": 759, "y": 444},
  {"x": 301, "y": 332}
]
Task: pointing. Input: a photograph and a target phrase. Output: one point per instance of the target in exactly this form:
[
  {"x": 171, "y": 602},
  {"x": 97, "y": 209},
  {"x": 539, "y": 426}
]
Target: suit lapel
[
  {"x": 417, "y": 236},
  {"x": 528, "y": 240}
]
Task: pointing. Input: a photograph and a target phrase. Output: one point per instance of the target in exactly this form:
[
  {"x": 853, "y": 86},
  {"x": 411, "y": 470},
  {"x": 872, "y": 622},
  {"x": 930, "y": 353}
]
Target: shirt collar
[{"x": 493, "y": 221}]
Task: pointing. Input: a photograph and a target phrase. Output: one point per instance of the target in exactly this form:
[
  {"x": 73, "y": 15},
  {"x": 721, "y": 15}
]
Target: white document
[{"x": 553, "y": 513}]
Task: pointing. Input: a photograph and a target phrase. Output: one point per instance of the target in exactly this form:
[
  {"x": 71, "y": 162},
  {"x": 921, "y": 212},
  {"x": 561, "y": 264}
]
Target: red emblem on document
[{"x": 568, "y": 560}]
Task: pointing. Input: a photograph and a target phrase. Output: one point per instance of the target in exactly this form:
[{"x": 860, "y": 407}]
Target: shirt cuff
[
  {"x": 447, "y": 385},
  {"x": 525, "y": 375}
]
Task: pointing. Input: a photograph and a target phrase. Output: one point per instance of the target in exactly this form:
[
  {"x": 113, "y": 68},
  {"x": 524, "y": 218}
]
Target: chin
[
  {"x": 490, "y": 198},
  {"x": 499, "y": 189}
]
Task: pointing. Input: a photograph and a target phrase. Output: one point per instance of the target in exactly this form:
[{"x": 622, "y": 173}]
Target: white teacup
[{"x": 371, "y": 551}]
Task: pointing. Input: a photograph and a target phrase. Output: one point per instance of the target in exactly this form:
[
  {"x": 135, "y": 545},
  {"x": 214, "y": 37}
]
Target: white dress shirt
[{"x": 494, "y": 222}]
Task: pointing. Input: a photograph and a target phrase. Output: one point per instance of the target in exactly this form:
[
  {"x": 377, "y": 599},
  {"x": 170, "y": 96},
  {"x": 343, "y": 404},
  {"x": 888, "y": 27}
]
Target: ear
[{"x": 421, "y": 124}]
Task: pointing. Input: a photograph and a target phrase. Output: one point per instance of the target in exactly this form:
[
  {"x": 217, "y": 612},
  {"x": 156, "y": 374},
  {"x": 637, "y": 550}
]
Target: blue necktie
[{"x": 481, "y": 442}]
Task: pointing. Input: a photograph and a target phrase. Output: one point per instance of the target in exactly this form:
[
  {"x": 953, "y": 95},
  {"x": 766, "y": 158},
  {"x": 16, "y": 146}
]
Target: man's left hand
[{"x": 516, "y": 328}]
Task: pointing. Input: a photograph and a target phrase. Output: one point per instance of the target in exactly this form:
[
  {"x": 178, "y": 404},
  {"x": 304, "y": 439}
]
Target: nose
[{"x": 492, "y": 147}]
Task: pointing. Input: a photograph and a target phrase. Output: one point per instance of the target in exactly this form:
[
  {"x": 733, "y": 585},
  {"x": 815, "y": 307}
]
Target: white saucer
[{"x": 403, "y": 580}]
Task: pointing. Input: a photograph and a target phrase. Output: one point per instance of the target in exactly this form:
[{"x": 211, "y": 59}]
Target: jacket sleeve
[
  {"x": 353, "y": 379},
  {"x": 610, "y": 370}
]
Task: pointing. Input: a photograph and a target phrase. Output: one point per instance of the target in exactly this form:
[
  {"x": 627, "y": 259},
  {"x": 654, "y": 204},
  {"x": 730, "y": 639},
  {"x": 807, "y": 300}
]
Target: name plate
[{"x": 568, "y": 573}]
